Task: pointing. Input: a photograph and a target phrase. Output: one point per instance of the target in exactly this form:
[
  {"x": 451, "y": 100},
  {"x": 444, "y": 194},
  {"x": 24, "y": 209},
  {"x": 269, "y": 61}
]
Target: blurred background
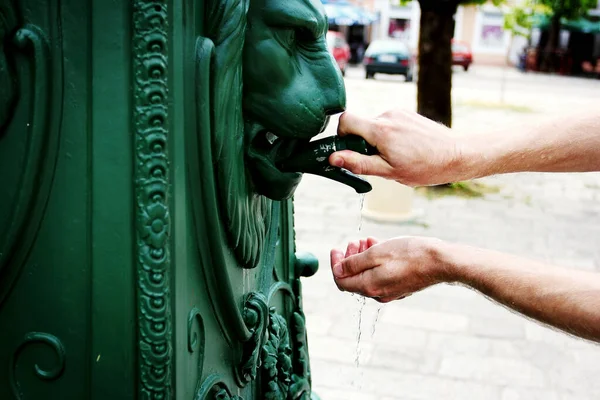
[{"x": 496, "y": 65}]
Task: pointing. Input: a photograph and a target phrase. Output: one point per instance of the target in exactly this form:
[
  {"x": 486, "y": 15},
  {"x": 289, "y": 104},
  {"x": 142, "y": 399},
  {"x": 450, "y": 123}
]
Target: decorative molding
[
  {"x": 276, "y": 359},
  {"x": 196, "y": 338},
  {"x": 42, "y": 131},
  {"x": 213, "y": 245},
  {"x": 300, "y": 387},
  {"x": 214, "y": 388},
  {"x": 153, "y": 222},
  {"x": 46, "y": 374},
  {"x": 284, "y": 359},
  {"x": 256, "y": 317}
]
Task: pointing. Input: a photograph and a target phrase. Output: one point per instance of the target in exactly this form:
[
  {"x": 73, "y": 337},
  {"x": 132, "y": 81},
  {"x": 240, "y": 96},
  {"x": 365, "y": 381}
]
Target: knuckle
[
  {"x": 362, "y": 167},
  {"x": 343, "y": 118},
  {"x": 372, "y": 291},
  {"x": 347, "y": 268}
]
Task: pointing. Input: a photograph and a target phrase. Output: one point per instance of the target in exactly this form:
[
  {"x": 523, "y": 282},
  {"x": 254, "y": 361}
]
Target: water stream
[
  {"x": 362, "y": 301},
  {"x": 360, "y": 208},
  {"x": 377, "y": 313}
]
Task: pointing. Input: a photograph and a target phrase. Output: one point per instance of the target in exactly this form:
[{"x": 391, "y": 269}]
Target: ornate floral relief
[
  {"x": 214, "y": 388},
  {"x": 151, "y": 127},
  {"x": 284, "y": 359},
  {"x": 256, "y": 317},
  {"x": 276, "y": 359},
  {"x": 46, "y": 374}
]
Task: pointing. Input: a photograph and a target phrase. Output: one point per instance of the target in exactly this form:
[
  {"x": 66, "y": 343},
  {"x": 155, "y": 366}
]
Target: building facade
[{"x": 481, "y": 26}]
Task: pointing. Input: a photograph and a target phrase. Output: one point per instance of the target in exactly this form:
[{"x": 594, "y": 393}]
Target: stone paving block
[
  {"x": 447, "y": 344},
  {"x": 326, "y": 393},
  {"x": 410, "y": 386},
  {"x": 528, "y": 394},
  {"x": 496, "y": 370},
  {"x": 339, "y": 350},
  {"x": 497, "y": 327},
  {"x": 404, "y": 358},
  {"x": 319, "y": 325},
  {"x": 430, "y": 320}
]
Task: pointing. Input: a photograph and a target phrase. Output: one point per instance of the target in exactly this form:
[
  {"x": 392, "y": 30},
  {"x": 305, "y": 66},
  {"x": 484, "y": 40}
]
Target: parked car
[
  {"x": 339, "y": 48},
  {"x": 388, "y": 56},
  {"x": 461, "y": 54}
]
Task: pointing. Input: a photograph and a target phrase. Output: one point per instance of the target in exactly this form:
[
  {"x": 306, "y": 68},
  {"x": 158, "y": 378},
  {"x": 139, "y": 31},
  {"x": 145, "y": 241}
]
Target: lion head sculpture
[{"x": 274, "y": 86}]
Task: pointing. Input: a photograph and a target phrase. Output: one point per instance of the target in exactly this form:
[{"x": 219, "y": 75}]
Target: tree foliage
[
  {"x": 569, "y": 9},
  {"x": 520, "y": 18}
]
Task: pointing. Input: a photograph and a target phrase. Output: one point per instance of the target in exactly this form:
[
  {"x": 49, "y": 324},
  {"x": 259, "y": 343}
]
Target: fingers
[
  {"x": 371, "y": 241},
  {"x": 354, "y": 265},
  {"x": 353, "y": 248},
  {"x": 351, "y": 124},
  {"x": 363, "y": 245},
  {"x": 360, "y": 164},
  {"x": 367, "y": 243},
  {"x": 336, "y": 257}
]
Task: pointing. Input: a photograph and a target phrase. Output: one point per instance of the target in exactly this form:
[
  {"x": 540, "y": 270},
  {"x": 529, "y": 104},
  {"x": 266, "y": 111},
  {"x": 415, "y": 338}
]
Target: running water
[
  {"x": 360, "y": 208},
  {"x": 377, "y": 313},
  {"x": 362, "y": 301}
]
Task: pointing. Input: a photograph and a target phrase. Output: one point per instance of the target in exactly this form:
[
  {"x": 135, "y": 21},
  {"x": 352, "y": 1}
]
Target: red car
[
  {"x": 339, "y": 49},
  {"x": 461, "y": 54}
]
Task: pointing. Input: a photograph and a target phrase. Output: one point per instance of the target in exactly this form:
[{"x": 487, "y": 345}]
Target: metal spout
[{"x": 313, "y": 158}]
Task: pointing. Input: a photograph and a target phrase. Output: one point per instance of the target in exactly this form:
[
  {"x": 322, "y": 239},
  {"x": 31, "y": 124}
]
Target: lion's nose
[{"x": 334, "y": 91}]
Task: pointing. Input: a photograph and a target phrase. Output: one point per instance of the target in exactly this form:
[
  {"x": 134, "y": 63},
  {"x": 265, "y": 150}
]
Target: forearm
[
  {"x": 566, "y": 299},
  {"x": 569, "y": 144}
]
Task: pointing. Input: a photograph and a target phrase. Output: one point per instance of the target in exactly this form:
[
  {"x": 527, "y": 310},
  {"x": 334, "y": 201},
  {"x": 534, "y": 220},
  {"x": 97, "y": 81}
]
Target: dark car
[{"x": 388, "y": 56}]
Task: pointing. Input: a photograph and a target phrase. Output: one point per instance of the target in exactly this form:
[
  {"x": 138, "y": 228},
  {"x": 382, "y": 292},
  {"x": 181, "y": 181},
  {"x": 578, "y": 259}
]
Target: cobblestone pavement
[{"x": 449, "y": 342}]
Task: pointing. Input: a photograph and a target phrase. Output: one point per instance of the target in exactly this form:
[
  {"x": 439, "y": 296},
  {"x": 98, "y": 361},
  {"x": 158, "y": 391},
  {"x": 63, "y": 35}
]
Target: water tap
[{"x": 313, "y": 158}]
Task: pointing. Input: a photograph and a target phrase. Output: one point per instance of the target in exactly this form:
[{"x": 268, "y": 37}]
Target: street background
[{"x": 449, "y": 342}]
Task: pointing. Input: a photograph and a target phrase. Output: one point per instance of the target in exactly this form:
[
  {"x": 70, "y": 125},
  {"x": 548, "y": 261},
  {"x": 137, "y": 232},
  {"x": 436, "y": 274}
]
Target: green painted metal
[
  {"x": 146, "y": 233},
  {"x": 313, "y": 158}
]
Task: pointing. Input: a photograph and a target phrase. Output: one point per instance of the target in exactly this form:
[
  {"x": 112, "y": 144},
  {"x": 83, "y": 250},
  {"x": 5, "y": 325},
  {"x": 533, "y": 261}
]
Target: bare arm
[
  {"x": 563, "y": 298},
  {"x": 417, "y": 151},
  {"x": 566, "y": 144}
]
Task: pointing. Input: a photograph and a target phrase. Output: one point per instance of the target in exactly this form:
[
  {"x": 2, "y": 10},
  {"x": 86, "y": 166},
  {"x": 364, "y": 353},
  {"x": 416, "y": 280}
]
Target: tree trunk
[
  {"x": 435, "y": 60},
  {"x": 550, "y": 63}
]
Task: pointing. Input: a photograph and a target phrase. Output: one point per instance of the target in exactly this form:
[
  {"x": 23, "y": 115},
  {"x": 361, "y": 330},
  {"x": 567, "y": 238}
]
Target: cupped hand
[
  {"x": 389, "y": 270},
  {"x": 413, "y": 150}
]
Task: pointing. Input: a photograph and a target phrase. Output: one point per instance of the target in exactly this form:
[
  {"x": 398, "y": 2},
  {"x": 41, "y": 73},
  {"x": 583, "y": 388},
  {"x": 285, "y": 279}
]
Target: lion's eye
[
  {"x": 307, "y": 40},
  {"x": 288, "y": 37},
  {"x": 304, "y": 36}
]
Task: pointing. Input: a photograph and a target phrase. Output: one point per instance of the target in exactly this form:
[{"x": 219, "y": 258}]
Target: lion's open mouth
[{"x": 263, "y": 151}]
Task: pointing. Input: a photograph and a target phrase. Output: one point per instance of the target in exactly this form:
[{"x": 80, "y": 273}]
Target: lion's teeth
[{"x": 271, "y": 138}]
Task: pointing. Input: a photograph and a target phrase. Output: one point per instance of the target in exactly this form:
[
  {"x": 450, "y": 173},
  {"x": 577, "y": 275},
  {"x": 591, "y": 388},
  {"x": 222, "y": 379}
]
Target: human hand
[
  {"x": 413, "y": 150},
  {"x": 389, "y": 270}
]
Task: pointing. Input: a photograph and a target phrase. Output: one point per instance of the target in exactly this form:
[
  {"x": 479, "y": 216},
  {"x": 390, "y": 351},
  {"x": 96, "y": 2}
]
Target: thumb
[
  {"x": 359, "y": 163},
  {"x": 354, "y": 265}
]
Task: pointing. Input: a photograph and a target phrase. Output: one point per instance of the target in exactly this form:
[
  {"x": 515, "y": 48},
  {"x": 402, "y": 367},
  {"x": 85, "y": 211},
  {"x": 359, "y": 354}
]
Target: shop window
[
  {"x": 399, "y": 28},
  {"x": 491, "y": 34}
]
